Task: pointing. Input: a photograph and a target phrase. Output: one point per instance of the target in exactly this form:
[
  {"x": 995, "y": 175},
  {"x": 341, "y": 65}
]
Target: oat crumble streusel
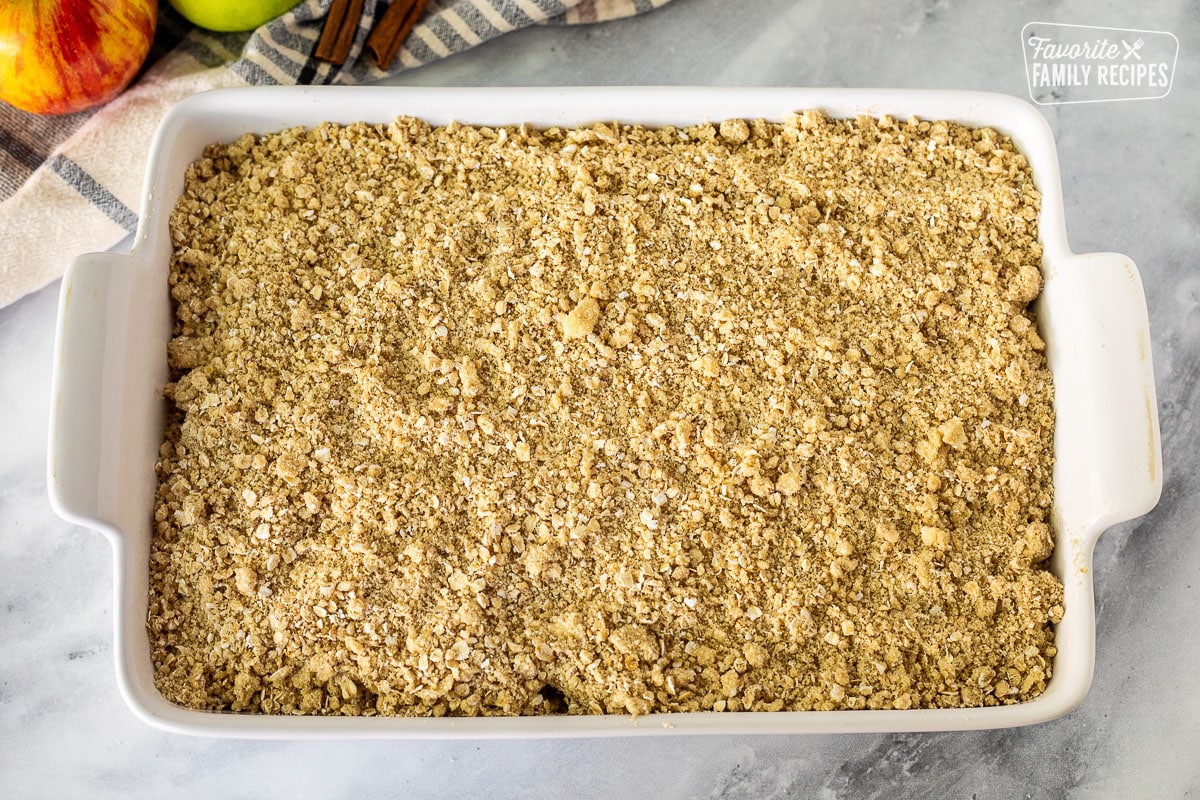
[{"x": 610, "y": 420}]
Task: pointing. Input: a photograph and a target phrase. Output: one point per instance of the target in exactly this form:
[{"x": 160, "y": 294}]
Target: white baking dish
[{"x": 115, "y": 319}]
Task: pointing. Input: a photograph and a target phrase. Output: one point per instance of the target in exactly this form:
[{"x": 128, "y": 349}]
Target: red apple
[{"x": 59, "y": 56}]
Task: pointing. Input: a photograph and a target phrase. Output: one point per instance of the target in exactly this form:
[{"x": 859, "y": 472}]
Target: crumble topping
[{"x": 472, "y": 420}]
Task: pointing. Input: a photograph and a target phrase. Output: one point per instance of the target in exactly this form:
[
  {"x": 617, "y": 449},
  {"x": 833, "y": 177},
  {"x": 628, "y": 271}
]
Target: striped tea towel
[{"x": 71, "y": 184}]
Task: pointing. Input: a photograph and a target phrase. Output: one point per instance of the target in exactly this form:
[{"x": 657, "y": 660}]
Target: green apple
[{"x": 232, "y": 15}]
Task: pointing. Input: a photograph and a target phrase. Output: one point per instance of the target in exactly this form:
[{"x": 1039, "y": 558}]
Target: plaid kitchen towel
[{"x": 71, "y": 184}]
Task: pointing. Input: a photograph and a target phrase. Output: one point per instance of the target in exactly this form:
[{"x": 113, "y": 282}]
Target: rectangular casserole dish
[{"x": 115, "y": 317}]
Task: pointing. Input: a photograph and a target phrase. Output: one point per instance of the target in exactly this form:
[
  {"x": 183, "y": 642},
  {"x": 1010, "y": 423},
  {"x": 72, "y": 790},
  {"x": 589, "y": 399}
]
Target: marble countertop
[{"x": 1129, "y": 179}]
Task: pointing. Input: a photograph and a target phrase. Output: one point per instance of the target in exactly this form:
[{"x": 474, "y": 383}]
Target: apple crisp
[{"x": 469, "y": 420}]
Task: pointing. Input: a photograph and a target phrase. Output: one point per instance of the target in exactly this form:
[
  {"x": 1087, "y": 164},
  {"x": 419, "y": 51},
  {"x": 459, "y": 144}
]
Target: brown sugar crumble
[{"x": 500, "y": 421}]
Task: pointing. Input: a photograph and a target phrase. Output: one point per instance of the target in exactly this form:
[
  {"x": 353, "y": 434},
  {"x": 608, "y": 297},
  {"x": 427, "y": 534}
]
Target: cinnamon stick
[
  {"x": 337, "y": 36},
  {"x": 393, "y": 28}
]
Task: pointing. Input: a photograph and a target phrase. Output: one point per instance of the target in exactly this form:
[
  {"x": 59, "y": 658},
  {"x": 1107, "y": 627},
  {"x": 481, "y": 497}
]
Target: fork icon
[{"x": 1132, "y": 49}]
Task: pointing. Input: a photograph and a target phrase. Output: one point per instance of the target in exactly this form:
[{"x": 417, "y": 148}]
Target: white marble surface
[{"x": 1129, "y": 172}]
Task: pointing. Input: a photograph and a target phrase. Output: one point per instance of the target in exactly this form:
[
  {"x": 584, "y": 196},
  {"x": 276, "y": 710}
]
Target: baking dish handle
[
  {"x": 85, "y": 390},
  {"x": 1127, "y": 457}
]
